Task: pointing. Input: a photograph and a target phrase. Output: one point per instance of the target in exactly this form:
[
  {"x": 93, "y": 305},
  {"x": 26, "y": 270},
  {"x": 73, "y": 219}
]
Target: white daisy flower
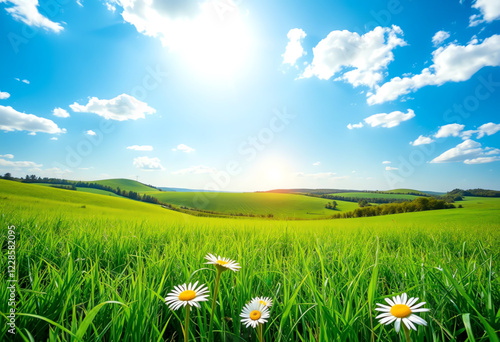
[
  {"x": 401, "y": 309},
  {"x": 183, "y": 295},
  {"x": 222, "y": 264},
  {"x": 266, "y": 301},
  {"x": 254, "y": 314}
]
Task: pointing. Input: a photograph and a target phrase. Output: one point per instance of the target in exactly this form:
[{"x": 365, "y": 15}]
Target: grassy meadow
[
  {"x": 97, "y": 268},
  {"x": 260, "y": 203}
]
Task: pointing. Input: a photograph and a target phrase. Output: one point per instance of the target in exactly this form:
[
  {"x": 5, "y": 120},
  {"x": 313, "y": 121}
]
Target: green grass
[
  {"x": 125, "y": 184},
  {"x": 375, "y": 195},
  {"x": 280, "y": 205},
  {"x": 323, "y": 275},
  {"x": 97, "y": 191}
]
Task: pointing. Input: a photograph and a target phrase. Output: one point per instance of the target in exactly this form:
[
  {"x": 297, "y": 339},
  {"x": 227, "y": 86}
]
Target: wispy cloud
[
  {"x": 140, "y": 148},
  {"x": 121, "y": 108},
  {"x": 147, "y": 163},
  {"x": 183, "y": 148},
  {"x": 12, "y": 120}
]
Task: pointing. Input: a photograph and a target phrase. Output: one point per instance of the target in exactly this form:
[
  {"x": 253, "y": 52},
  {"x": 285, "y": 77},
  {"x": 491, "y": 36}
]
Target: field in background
[
  {"x": 260, "y": 203},
  {"x": 362, "y": 195},
  {"x": 77, "y": 250}
]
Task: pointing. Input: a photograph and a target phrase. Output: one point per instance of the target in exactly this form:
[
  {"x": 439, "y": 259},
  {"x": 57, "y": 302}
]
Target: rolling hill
[{"x": 259, "y": 203}]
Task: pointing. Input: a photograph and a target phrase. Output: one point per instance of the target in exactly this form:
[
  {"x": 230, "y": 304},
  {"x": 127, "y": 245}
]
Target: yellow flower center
[
  {"x": 255, "y": 315},
  {"x": 187, "y": 295},
  {"x": 400, "y": 310},
  {"x": 262, "y": 302},
  {"x": 222, "y": 262}
]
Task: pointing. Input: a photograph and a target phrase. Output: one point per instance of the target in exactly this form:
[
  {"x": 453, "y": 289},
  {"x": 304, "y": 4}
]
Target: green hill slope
[
  {"x": 44, "y": 199},
  {"x": 277, "y": 204},
  {"x": 125, "y": 184}
]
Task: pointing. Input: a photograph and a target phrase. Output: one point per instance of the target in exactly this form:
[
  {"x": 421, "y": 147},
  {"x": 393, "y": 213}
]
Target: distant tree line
[
  {"x": 474, "y": 192},
  {"x": 418, "y": 204},
  {"x": 357, "y": 199}
]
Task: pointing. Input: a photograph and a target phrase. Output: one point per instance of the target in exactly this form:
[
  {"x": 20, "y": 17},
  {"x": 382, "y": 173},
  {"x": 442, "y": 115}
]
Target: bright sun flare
[{"x": 216, "y": 43}]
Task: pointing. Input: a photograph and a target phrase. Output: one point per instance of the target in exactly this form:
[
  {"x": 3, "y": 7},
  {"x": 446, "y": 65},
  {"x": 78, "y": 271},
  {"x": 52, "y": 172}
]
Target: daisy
[
  {"x": 402, "y": 309},
  {"x": 187, "y": 296},
  {"x": 183, "y": 295},
  {"x": 222, "y": 264},
  {"x": 255, "y": 314},
  {"x": 266, "y": 301}
]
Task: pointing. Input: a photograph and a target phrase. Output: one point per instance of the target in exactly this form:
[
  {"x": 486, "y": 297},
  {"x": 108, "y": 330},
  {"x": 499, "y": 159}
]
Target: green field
[
  {"x": 375, "y": 195},
  {"x": 260, "y": 203},
  {"x": 125, "y": 184},
  {"x": 76, "y": 251},
  {"x": 97, "y": 191}
]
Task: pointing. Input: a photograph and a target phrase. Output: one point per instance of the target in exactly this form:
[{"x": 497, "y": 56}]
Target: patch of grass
[{"x": 101, "y": 273}]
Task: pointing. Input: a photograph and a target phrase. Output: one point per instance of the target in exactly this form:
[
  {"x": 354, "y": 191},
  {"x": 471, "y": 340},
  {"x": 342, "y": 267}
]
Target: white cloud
[
  {"x": 469, "y": 152},
  {"x": 8, "y": 156},
  {"x": 488, "y": 129},
  {"x": 54, "y": 138},
  {"x": 20, "y": 80},
  {"x": 317, "y": 163},
  {"x": 319, "y": 175},
  {"x": 209, "y": 34},
  {"x": 4, "y": 95},
  {"x": 27, "y": 12},
  {"x": 121, "y": 108},
  {"x": 390, "y": 168},
  {"x": 386, "y": 162},
  {"x": 440, "y": 37},
  {"x": 358, "y": 125},
  {"x": 22, "y": 164},
  {"x": 421, "y": 140},
  {"x": 490, "y": 11},
  {"x": 12, "y": 120},
  {"x": 482, "y": 160},
  {"x": 365, "y": 56},
  {"x": 453, "y": 63},
  {"x": 451, "y": 130},
  {"x": 90, "y": 132},
  {"x": 140, "y": 148},
  {"x": 146, "y": 163},
  {"x": 183, "y": 148},
  {"x": 61, "y": 113},
  {"x": 294, "y": 49},
  {"x": 195, "y": 170},
  {"x": 389, "y": 120}
]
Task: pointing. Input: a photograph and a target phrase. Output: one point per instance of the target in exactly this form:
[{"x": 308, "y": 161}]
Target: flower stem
[
  {"x": 407, "y": 333},
  {"x": 259, "y": 333},
  {"x": 186, "y": 324},
  {"x": 214, "y": 302}
]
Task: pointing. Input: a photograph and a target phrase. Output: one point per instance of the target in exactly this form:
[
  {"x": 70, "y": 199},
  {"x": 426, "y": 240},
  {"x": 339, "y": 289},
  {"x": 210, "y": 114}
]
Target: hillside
[
  {"x": 277, "y": 204},
  {"x": 125, "y": 184},
  {"x": 58, "y": 201}
]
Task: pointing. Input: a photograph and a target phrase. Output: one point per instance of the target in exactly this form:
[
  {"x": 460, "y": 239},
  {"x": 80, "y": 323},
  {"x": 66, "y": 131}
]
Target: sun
[
  {"x": 274, "y": 174},
  {"x": 217, "y": 43}
]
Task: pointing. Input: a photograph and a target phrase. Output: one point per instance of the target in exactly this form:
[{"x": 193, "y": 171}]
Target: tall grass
[{"x": 105, "y": 279}]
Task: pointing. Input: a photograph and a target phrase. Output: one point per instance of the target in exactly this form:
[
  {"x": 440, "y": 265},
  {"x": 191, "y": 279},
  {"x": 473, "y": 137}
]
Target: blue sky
[{"x": 243, "y": 96}]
